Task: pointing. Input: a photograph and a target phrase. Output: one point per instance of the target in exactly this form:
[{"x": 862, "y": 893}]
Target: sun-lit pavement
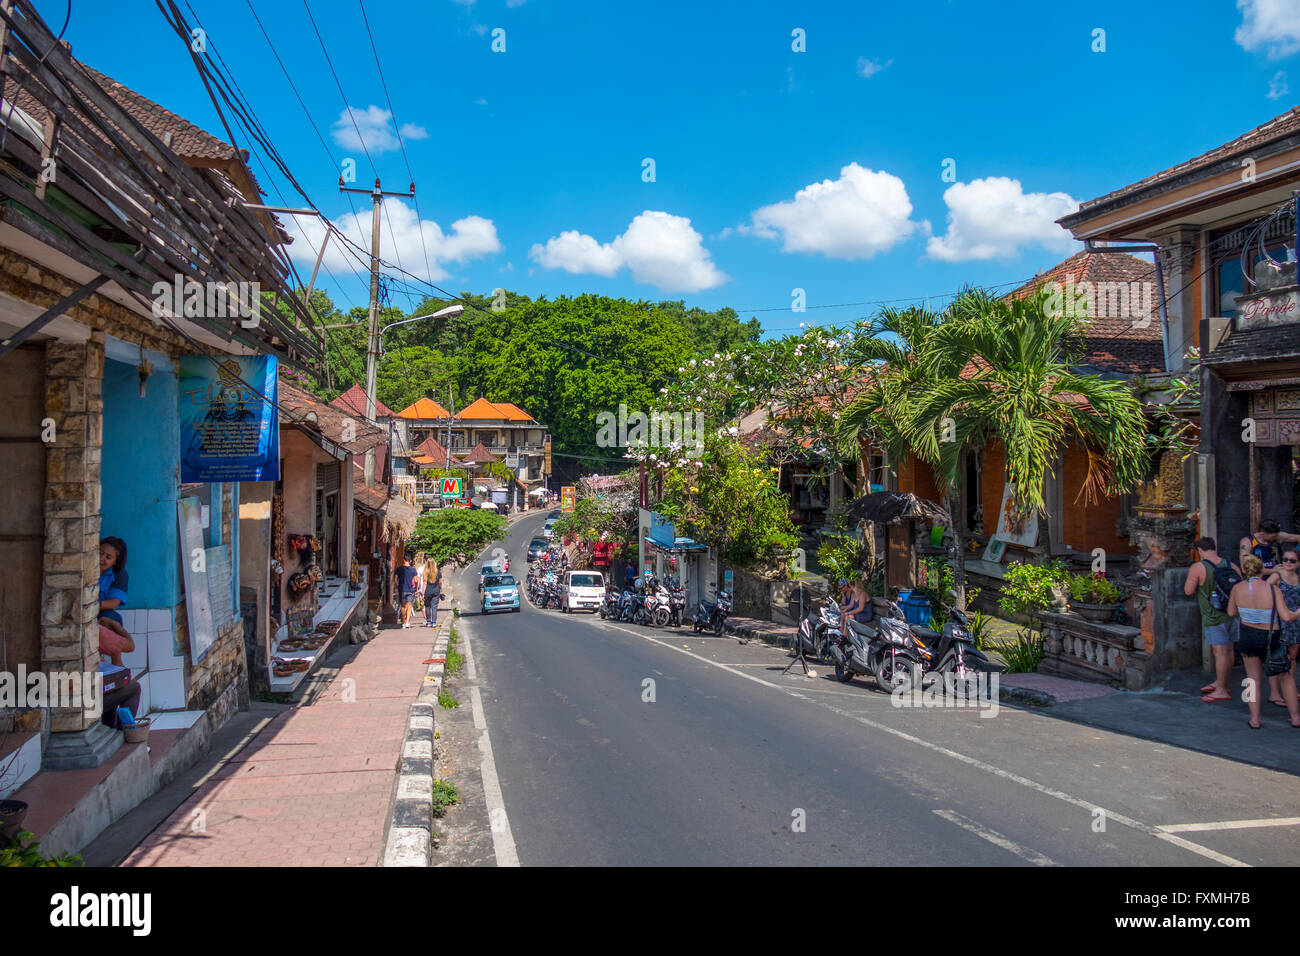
[{"x": 721, "y": 758}]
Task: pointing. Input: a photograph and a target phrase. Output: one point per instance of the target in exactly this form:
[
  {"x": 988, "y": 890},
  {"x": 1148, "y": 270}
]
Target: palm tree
[{"x": 991, "y": 368}]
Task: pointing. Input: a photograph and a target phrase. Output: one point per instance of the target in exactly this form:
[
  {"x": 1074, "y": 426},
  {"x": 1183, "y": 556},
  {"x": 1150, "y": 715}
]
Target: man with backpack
[{"x": 1212, "y": 579}]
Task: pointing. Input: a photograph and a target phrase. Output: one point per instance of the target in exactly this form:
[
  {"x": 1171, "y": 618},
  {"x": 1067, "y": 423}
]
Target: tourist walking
[
  {"x": 1287, "y": 580},
  {"x": 1211, "y": 580},
  {"x": 1261, "y": 608}
]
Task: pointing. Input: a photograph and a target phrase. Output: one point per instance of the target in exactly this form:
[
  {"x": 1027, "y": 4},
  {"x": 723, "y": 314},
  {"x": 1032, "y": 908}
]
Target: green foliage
[
  {"x": 531, "y": 353},
  {"x": 1028, "y": 588},
  {"x": 593, "y": 517},
  {"x": 446, "y": 701},
  {"x": 1093, "y": 589},
  {"x": 977, "y": 623},
  {"x": 939, "y": 580},
  {"x": 25, "y": 851},
  {"x": 729, "y": 497},
  {"x": 457, "y": 534},
  {"x": 444, "y": 795},
  {"x": 842, "y": 556},
  {"x": 1024, "y": 656}
]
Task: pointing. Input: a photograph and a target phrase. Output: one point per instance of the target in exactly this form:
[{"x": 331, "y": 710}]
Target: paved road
[{"x": 734, "y": 764}]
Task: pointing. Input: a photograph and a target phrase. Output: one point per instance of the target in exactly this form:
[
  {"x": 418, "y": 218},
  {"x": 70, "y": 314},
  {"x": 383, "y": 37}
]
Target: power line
[{"x": 419, "y": 218}]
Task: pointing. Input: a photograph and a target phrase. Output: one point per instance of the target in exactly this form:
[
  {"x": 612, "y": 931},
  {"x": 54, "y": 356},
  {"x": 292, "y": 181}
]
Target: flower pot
[
  {"x": 1097, "y": 613},
  {"x": 12, "y": 814}
]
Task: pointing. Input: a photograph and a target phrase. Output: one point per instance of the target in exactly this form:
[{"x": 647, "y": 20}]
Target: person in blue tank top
[{"x": 1266, "y": 543}]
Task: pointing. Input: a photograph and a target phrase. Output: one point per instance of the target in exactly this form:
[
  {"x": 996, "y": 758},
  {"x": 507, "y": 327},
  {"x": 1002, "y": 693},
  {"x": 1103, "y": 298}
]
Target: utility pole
[
  {"x": 451, "y": 413},
  {"x": 372, "y": 339}
]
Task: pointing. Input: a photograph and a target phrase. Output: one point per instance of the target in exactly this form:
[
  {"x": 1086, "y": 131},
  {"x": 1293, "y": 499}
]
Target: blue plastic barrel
[{"x": 916, "y": 609}]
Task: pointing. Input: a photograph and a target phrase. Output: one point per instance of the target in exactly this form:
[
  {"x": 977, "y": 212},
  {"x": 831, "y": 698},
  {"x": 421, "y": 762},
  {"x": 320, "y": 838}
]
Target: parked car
[
  {"x": 548, "y": 529},
  {"x": 555, "y": 513},
  {"x": 583, "y": 591},
  {"x": 535, "y": 548},
  {"x": 500, "y": 593}
]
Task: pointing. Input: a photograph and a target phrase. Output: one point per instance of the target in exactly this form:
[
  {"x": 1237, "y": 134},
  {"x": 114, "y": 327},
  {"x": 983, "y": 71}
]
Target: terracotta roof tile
[
  {"x": 354, "y": 402},
  {"x": 479, "y": 455},
  {"x": 1128, "y": 341},
  {"x": 329, "y": 420}
]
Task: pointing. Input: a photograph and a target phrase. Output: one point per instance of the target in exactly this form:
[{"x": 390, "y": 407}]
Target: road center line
[
  {"x": 997, "y": 839},
  {"x": 1129, "y": 822}
]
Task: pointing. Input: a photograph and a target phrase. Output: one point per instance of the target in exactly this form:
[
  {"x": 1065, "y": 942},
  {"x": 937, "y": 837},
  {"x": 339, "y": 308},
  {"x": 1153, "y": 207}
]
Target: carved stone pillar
[{"x": 1163, "y": 536}]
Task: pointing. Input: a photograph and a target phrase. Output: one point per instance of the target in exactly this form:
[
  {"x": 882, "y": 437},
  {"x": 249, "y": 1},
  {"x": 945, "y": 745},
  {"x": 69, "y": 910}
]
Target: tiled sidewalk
[{"x": 314, "y": 788}]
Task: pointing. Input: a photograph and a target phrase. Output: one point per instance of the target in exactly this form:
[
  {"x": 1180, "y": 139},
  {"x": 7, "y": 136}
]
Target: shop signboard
[
  {"x": 230, "y": 428},
  {"x": 568, "y": 499},
  {"x": 451, "y": 488}
]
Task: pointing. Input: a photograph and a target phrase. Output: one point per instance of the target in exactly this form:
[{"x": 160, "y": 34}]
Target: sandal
[
  {"x": 1207, "y": 689},
  {"x": 1277, "y": 703},
  {"x": 1253, "y": 726},
  {"x": 1211, "y": 699}
]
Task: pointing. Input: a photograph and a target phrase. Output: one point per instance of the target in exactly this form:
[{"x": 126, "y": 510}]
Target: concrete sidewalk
[{"x": 315, "y": 787}]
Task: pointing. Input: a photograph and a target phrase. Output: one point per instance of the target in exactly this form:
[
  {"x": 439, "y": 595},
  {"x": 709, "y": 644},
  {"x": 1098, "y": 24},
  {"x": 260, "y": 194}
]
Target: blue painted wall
[{"x": 138, "y": 475}]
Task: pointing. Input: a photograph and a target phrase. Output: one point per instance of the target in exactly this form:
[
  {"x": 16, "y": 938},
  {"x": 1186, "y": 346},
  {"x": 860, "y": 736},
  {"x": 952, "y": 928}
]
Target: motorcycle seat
[{"x": 925, "y": 634}]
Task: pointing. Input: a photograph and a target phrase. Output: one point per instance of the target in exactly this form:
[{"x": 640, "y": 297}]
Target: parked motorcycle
[
  {"x": 712, "y": 615},
  {"x": 608, "y": 609},
  {"x": 818, "y": 631},
  {"x": 676, "y": 604},
  {"x": 659, "y": 603},
  {"x": 951, "y": 653}
]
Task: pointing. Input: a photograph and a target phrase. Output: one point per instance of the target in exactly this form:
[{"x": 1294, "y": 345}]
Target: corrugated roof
[{"x": 1263, "y": 344}]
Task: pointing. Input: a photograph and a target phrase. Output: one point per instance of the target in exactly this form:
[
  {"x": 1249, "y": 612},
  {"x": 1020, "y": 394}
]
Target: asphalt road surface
[{"x": 623, "y": 745}]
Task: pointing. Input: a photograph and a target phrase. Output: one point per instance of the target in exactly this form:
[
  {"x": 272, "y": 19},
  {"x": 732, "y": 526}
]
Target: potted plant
[{"x": 1094, "y": 598}]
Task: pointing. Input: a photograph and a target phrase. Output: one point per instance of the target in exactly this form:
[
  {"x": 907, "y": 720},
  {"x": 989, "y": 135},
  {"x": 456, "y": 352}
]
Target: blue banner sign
[
  {"x": 230, "y": 428},
  {"x": 662, "y": 532}
]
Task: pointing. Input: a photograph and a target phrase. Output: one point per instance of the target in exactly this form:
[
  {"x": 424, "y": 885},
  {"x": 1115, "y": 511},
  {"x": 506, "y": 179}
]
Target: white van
[{"x": 583, "y": 590}]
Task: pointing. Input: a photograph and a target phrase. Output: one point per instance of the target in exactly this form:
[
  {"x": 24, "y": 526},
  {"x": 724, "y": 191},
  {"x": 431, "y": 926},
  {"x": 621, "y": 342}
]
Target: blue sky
[{"x": 773, "y": 169}]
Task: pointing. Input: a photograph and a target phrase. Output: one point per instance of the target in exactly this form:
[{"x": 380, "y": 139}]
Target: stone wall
[
  {"x": 753, "y": 594},
  {"x": 70, "y": 575}
]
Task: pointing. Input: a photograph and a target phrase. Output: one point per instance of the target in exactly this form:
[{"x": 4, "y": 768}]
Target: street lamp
[
  {"x": 371, "y": 362},
  {"x": 448, "y": 313}
]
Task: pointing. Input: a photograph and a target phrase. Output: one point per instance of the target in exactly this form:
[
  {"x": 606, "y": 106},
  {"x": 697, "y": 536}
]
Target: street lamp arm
[{"x": 450, "y": 311}]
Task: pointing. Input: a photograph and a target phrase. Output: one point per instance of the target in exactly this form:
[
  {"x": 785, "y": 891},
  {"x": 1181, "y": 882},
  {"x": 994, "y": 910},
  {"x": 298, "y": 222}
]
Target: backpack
[{"x": 1224, "y": 578}]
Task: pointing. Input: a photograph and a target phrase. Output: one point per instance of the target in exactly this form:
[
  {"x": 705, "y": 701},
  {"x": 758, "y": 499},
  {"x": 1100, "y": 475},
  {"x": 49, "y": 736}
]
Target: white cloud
[
  {"x": 1277, "y": 87},
  {"x": 862, "y": 213},
  {"x": 1270, "y": 25},
  {"x": 994, "y": 218},
  {"x": 377, "y": 130},
  {"x": 869, "y": 68},
  {"x": 658, "y": 248},
  {"x": 470, "y": 238}
]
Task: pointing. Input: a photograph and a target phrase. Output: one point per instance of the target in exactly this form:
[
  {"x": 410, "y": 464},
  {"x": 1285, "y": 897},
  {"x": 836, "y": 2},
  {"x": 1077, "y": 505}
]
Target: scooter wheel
[
  {"x": 843, "y": 674},
  {"x": 718, "y": 628}
]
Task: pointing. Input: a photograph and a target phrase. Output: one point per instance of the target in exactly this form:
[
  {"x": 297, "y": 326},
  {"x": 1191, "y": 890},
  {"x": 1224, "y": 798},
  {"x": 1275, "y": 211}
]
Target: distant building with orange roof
[{"x": 481, "y": 433}]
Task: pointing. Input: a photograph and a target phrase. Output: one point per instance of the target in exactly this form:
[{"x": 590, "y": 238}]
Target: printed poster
[{"x": 230, "y": 428}]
